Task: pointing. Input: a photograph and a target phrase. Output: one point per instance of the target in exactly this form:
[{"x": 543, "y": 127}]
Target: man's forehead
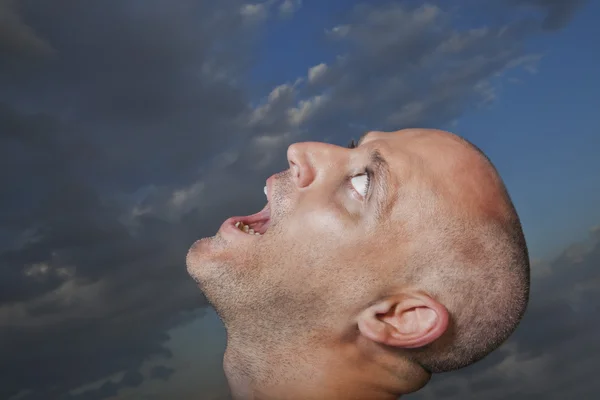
[
  {"x": 425, "y": 160},
  {"x": 445, "y": 165},
  {"x": 362, "y": 138},
  {"x": 425, "y": 144},
  {"x": 402, "y": 136}
]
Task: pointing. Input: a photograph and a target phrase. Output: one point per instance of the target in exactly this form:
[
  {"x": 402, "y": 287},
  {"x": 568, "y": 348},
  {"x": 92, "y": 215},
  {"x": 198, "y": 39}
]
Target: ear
[{"x": 407, "y": 321}]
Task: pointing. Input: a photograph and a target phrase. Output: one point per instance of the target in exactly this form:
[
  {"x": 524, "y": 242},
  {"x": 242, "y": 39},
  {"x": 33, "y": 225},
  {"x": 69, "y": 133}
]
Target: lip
[
  {"x": 228, "y": 227},
  {"x": 269, "y": 187}
]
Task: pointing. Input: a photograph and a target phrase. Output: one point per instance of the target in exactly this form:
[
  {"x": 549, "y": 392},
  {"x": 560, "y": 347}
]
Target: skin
[{"x": 317, "y": 308}]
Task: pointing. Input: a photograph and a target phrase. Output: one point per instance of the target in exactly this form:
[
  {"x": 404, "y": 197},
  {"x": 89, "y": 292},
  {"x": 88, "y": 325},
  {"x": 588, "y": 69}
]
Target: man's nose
[
  {"x": 309, "y": 159},
  {"x": 302, "y": 170}
]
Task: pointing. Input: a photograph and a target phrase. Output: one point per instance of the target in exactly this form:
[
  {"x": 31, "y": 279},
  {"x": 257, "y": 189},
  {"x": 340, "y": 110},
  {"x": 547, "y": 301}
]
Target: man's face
[{"x": 334, "y": 239}]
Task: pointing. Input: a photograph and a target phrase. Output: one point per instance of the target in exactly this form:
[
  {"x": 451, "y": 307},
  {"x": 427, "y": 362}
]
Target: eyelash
[
  {"x": 368, "y": 171},
  {"x": 369, "y": 180}
]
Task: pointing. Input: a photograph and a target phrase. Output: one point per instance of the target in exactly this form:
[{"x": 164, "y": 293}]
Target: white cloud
[
  {"x": 280, "y": 92},
  {"x": 225, "y": 159},
  {"x": 259, "y": 12},
  {"x": 182, "y": 199},
  {"x": 83, "y": 298},
  {"x": 409, "y": 112},
  {"x": 278, "y": 100},
  {"x": 458, "y": 41},
  {"x": 486, "y": 91},
  {"x": 339, "y": 31},
  {"x": 255, "y": 13},
  {"x": 268, "y": 147},
  {"x": 267, "y": 143},
  {"x": 37, "y": 270},
  {"x": 43, "y": 269},
  {"x": 289, "y": 7},
  {"x": 139, "y": 211},
  {"x": 529, "y": 62},
  {"x": 316, "y": 72},
  {"x": 306, "y": 109}
]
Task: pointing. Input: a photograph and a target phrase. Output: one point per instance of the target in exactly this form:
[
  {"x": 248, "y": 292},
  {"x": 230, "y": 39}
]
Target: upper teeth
[
  {"x": 245, "y": 228},
  {"x": 265, "y": 190}
]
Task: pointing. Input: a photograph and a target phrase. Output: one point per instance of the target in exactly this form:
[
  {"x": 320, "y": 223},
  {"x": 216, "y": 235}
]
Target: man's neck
[{"x": 306, "y": 373}]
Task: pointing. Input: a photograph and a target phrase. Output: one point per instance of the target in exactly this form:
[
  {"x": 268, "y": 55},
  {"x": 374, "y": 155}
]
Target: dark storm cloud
[
  {"x": 139, "y": 79},
  {"x": 131, "y": 379},
  {"x": 16, "y": 37},
  {"x": 99, "y": 100},
  {"x": 161, "y": 372},
  {"x": 44, "y": 190},
  {"x": 557, "y": 12},
  {"x": 125, "y": 135}
]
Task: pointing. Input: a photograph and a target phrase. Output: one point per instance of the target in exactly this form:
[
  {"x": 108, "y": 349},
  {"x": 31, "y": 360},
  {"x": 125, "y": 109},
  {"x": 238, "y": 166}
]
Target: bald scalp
[
  {"x": 469, "y": 253},
  {"x": 484, "y": 284}
]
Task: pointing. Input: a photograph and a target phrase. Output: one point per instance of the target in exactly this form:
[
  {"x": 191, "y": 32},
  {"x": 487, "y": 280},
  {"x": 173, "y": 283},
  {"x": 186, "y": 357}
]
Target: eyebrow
[{"x": 382, "y": 175}]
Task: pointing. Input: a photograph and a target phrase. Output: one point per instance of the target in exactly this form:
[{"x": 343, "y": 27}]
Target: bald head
[
  {"x": 374, "y": 266},
  {"x": 468, "y": 249}
]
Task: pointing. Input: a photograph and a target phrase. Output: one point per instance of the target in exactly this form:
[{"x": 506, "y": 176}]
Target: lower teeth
[{"x": 246, "y": 228}]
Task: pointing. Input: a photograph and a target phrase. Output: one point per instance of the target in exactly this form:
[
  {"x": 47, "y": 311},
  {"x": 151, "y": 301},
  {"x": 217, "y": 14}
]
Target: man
[{"x": 369, "y": 269}]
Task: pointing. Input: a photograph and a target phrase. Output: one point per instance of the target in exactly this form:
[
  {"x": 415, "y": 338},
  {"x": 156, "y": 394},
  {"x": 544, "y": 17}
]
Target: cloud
[
  {"x": 558, "y": 13},
  {"x": 124, "y": 105},
  {"x": 338, "y": 32},
  {"x": 16, "y": 37},
  {"x": 108, "y": 389},
  {"x": 127, "y": 131},
  {"x": 289, "y": 7},
  {"x": 404, "y": 66},
  {"x": 257, "y": 13},
  {"x": 161, "y": 372},
  {"x": 316, "y": 72}
]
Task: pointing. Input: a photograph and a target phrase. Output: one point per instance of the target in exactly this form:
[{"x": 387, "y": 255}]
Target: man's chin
[
  {"x": 210, "y": 256},
  {"x": 200, "y": 248},
  {"x": 217, "y": 265},
  {"x": 196, "y": 256}
]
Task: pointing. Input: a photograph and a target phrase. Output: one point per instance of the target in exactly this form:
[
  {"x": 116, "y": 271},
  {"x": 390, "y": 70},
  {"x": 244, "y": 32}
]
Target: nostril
[{"x": 295, "y": 170}]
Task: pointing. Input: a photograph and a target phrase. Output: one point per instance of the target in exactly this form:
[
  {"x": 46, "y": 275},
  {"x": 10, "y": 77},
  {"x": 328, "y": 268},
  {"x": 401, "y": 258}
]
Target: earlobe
[{"x": 407, "y": 322}]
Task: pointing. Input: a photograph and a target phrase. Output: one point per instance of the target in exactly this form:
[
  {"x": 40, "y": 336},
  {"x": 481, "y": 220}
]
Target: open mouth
[{"x": 255, "y": 224}]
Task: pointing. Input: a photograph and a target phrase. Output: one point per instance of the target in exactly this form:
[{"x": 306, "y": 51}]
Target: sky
[{"x": 129, "y": 129}]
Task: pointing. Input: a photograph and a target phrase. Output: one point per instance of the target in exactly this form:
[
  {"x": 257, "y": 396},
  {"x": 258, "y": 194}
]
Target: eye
[{"x": 360, "y": 183}]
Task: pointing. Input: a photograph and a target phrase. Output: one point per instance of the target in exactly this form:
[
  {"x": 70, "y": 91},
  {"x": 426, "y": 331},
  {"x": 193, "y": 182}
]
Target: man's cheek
[{"x": 326, "y": 223}]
